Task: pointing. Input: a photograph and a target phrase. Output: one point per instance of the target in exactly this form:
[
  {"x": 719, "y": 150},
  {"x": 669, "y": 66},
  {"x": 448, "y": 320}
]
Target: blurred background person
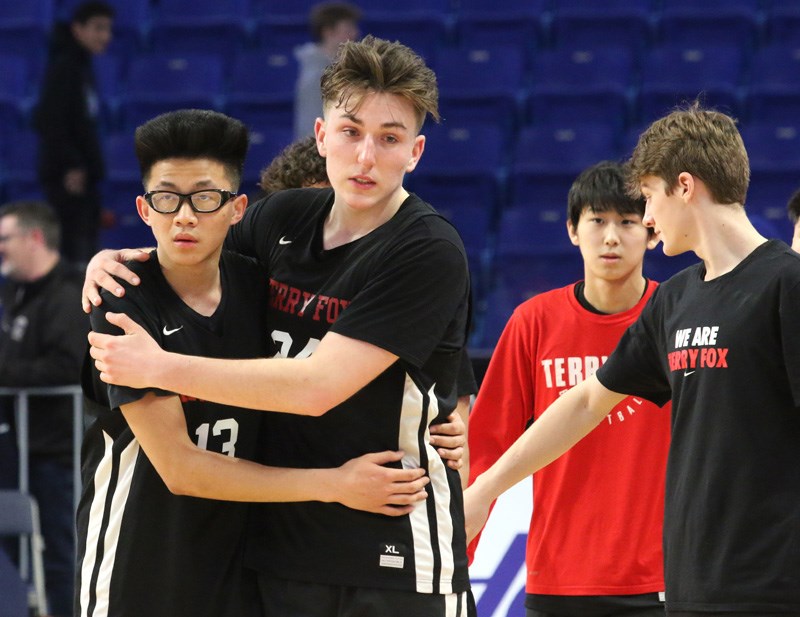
[
  {"x": 793, "y": 208},
  {"x": 42, "y": 343},
  {"x": 331, "y": 23},
  {"x": 70, "y": 156}
]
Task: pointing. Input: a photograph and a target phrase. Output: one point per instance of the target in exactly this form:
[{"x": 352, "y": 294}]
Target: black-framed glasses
[{"x": 207, "y": 200}]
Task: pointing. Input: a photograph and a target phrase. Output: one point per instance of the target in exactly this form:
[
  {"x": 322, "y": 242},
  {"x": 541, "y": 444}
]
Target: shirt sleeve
[
  {"x": 120, "y": 395},
  {"x": 635, "y": 367}
]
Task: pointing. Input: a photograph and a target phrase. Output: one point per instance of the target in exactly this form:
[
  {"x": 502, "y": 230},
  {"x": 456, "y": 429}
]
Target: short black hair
[
  {"x": 793, "y": 207},
  {"x": 193, "y": 134},
  {"x": 92, "y": 8},
  {"x": 603, "y": 188},
  {"x": 327, "y": 14},
  {"x": 35, "y": 214}
]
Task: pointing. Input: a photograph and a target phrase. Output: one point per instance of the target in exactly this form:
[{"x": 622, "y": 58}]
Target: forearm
[
  {"x": 276, "y": 384},
  {"x": 338, "y": 368},
  {"x": 562, "y": 425},
  {"x": 201, "y": 473}
]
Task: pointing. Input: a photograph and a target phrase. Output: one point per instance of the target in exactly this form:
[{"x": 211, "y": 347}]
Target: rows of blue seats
[{"x": 503, "y": 185}]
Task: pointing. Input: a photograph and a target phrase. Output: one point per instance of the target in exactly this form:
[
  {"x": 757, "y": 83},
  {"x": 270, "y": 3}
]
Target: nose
[
  {"x": 611, "y": 235},
  {"x": 185, "y": 215},
  {"x": 647, "y": 219},
  {"x": 366, "y": 153}
]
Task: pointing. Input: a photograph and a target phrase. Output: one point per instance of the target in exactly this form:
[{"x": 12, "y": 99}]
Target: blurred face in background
[{"x": 94, "y": 34}]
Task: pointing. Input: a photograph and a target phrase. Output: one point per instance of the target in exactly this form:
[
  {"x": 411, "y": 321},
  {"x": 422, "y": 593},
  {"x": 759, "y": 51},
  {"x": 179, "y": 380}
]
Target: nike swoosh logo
[
  {"x": 687, "y": 373},
  {"x": 173, "y": 331},
  {"x": 283, "y": 240}
]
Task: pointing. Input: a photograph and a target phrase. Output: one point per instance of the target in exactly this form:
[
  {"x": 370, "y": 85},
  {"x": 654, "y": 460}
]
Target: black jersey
[
  {"x": 142, "y": 550},
  {"x": 728, "y": 352},
  {"x": 403, "y": 287}
]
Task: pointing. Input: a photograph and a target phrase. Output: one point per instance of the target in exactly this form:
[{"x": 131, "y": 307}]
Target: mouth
[
  {"x": 184, "y": 240},
  {"x": 363, "y": 181},
  {"x": 610, "y": 257}
]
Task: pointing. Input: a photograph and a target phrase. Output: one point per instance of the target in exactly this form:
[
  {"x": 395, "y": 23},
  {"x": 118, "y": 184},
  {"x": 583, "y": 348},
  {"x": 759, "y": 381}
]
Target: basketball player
[
  {"x": 142, "y": 549},
  {"x": 552, "y": 342},
  {"x": 722, "y": 340},
  {"x": 369, "y": 296}
]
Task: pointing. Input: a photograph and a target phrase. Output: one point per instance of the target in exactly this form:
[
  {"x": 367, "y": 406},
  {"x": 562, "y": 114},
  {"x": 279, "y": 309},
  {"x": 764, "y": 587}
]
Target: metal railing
[{"x": 22, "y": 415}]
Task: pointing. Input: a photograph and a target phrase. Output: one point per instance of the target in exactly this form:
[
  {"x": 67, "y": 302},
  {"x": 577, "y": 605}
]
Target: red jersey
[{"x": 598, "y": 509}]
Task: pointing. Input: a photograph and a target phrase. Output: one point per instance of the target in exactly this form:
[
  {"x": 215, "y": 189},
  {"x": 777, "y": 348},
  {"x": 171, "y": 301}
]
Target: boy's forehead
[
  {"x": 370, "y": 106},
  {"x": 191, "y": 172}
]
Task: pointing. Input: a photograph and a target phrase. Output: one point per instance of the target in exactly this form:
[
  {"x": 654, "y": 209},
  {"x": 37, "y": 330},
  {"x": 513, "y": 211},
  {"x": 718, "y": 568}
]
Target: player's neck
[
  {"x": 346, "y": 224},
  {"x": 725, "y": 238},
  {"x": 615, "y": 296},
  {"x": 198, "y": 285}
]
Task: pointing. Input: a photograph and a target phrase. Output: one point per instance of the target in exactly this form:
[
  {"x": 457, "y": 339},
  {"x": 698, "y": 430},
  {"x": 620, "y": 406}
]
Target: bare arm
[
  {"x": 362, "y": 483},
  {"x": 102, "y": 268},
  {"x": 561, "y": 426},
  {"x": 338, "y": 368}
]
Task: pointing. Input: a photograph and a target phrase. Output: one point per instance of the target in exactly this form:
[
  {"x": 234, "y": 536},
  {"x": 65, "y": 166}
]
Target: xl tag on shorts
[{"x": 392, "y": 556}]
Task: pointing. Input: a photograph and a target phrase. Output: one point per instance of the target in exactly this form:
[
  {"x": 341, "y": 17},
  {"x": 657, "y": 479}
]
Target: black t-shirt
[
  {"x": 143, "y": 550},
  {"x": 403, "y": 287},
  {"x": 728, "y": 352}
]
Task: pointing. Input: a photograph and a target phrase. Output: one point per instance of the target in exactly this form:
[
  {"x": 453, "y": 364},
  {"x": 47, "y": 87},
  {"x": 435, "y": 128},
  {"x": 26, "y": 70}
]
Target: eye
[{"x": 391, "y": 139}]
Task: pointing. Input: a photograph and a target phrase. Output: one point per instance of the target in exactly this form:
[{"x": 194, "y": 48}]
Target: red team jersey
[{"x": 598, "y": 509}]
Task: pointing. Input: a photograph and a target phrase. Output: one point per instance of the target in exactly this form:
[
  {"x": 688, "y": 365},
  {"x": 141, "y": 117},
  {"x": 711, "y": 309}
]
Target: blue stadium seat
[
  {"x": 203, "y": 26},
  {"x": 774, "y": 152},
  {"x": 16, "y": 96},
  {"x": 423, "y": 31},
  {"x": 479, "y": 85},
  {"x": 577, "y": 24},
  {"x": 548, "y": 158},
  {"x": 20, "y": 164},
  {"x": 261, "y": 87},
  {"x": 774, "y": 90},
  {"x": 572, "y": 85},
  {"x": 162, "y": 82},
  {"x": 782, "y": 23},
  {"x": 673, "y": 74},
  {"x": 487, "y": 23},
  {"x": 461, "y": 166},
  {"x": 265, "y": 144},
  {"x": 25, "y": 25},
  {"x": 712, "y": 22}
]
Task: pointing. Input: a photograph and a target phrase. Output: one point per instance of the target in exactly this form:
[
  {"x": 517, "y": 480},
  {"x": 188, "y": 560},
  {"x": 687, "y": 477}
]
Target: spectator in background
[
  {"x": 332, "y": 23},
  {"x": 793, "y": 208},
  {"x": 70, "y": 158},
  {"x": 42, "y": 343}
]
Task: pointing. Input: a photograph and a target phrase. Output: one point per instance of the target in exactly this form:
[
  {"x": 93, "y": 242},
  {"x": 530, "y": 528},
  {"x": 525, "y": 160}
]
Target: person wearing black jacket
[
  {"x": 42, "y": 343},
  {"x": 70, "y": 156}
]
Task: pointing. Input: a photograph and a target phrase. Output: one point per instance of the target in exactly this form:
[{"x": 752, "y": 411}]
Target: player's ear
[
  {"x": 416, "y": 153},
  {"x": 319, "y": 133},
  {"x": 239, "y": 205},
  {"x": 572, "y": 233},
  {"x": 144, "y": 210}
]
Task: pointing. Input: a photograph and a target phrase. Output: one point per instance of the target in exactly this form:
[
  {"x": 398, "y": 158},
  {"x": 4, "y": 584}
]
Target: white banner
[{"x": 498, "y": 571}]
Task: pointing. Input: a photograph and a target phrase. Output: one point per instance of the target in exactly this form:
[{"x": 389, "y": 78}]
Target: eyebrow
[
  {"x": 385, "y": 125},
  {"x": 167, "y": 185}
]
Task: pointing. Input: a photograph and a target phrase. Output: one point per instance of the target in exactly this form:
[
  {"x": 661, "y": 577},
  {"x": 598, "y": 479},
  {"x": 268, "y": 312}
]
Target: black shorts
[
  {"x": 636, "y": 605},
  {"x": 298, "y": 599}
]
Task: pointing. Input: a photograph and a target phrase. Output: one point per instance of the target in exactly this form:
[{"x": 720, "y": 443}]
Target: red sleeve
[{"x": 505, "y": 402}]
